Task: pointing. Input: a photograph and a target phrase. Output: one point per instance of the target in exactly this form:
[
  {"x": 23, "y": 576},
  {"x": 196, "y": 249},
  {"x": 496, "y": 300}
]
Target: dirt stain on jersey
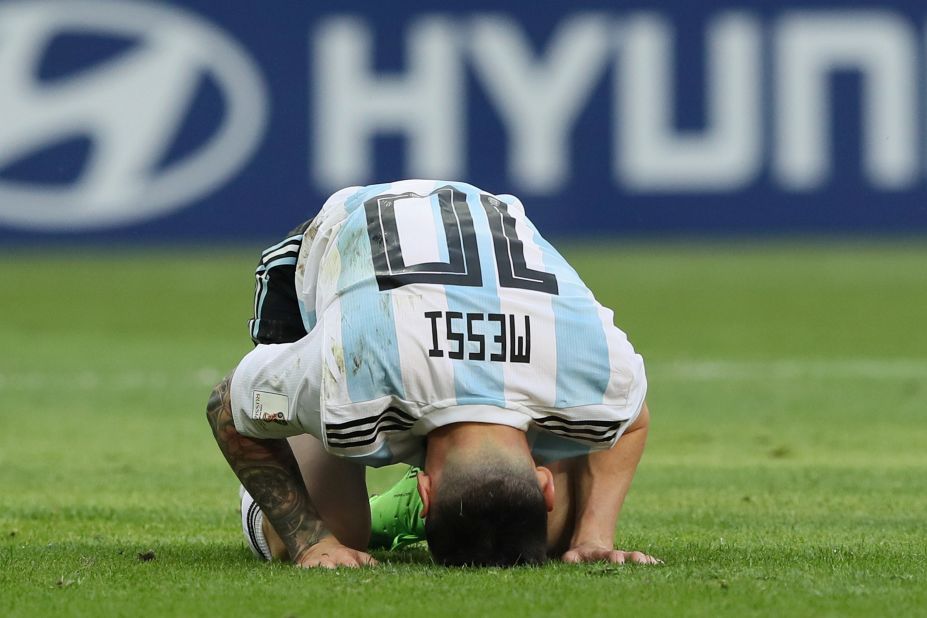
[
  {"x": 407, "y": 301},
  {"x": 331, "y": 380},
  {"x": 385, "y": 302},
  {"x": 338, "y": 355},
  {"x": 331, "y": 266}
]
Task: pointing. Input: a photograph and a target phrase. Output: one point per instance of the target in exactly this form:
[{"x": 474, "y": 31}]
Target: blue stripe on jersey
[
  {"x": 583, "y": 364},
  {"x": 368, "y": 329},
  {"x": 547, "y": 447},
  {"x": 476, "y": 382},
  {"x": 309, "y": 317},
  {"x": 357, "y": 199},
  {"x": 383, "y": 456}
]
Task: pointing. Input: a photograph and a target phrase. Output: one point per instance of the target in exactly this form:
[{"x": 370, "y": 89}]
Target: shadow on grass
[{"x": 416, "y": 555}]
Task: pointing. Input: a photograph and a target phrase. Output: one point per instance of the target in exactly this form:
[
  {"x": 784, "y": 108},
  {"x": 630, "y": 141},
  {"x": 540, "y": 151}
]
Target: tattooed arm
[{"x": 268, "y": 470}]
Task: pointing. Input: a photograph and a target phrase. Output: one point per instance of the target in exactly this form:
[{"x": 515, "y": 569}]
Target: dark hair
[{"x": 487, "y": 514}]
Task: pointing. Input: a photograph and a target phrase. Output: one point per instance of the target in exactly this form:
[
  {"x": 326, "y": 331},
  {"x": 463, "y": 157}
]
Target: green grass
[{"x": 786, "y": 472}]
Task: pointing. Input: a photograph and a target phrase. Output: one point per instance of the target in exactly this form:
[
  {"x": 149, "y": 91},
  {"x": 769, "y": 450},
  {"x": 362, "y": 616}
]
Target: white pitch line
[{"x": 682, "y": 370}]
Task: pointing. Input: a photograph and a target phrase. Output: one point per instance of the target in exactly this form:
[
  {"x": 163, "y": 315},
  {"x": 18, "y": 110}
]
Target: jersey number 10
[{"x": 463, "y": 264}]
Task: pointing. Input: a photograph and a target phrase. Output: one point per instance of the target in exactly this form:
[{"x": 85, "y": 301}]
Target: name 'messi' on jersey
[{"x": 514, "y": 349}]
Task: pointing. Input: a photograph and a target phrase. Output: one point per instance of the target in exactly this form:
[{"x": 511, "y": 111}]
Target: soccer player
[{"x": 429, "y": 322}]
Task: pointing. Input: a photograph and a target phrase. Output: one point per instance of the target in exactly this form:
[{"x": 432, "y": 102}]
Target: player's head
[{"x": 486, "y": 503}]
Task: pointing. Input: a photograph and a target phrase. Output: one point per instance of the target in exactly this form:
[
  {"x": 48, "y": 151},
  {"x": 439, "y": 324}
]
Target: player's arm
[
  {"x": 601, "y": 482},
  {"x": 268, "y": 470}
]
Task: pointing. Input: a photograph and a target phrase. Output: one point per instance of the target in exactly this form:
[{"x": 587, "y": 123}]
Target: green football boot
[{"x": 395, "y": 516}]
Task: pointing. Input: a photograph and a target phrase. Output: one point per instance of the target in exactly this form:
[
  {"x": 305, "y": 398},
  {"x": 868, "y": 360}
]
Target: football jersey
[{"x": 433, "y": 302}]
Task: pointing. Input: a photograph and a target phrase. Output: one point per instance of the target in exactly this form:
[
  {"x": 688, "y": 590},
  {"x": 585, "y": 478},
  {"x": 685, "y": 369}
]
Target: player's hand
[
  {"x": 330, "y": 554},
  {"x": 599, "y": 553}
]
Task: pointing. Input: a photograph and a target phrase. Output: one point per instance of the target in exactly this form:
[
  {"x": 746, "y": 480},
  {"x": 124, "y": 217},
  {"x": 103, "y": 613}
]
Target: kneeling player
[{"x": 428, "y": 322}]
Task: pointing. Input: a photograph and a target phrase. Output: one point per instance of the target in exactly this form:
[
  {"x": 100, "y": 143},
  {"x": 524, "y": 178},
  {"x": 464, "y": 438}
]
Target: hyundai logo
[{"x": 132, "y": 109}]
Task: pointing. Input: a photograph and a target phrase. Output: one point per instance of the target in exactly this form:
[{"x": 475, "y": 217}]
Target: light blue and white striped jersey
[{"x": 438, "y": 303}]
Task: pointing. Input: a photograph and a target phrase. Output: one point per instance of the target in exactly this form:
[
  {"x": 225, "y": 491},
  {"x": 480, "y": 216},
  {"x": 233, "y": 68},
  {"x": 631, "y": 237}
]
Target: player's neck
[{"x": 472, "y": 440}]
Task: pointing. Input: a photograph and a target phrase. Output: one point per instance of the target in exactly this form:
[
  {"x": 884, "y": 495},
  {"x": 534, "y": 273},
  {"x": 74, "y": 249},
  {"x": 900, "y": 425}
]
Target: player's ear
[
  {"x": 546, "y": 483},
  {"x": 424, "y": 491}
]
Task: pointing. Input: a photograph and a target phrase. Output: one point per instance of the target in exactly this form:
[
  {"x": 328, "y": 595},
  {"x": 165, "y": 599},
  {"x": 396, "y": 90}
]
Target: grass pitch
[{"x": 786, "y": 472}]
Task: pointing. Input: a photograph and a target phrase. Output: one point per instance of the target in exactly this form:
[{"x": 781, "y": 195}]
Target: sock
[{"x": 252, "y": 526}]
